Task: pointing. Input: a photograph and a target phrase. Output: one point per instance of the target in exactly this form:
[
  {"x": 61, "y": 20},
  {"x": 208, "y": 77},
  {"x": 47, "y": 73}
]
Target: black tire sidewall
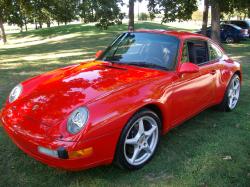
[
  {"x": 232, "y": 39},
  {"x": 224, "y": 105},
  {"x": 120, "y": 159}
]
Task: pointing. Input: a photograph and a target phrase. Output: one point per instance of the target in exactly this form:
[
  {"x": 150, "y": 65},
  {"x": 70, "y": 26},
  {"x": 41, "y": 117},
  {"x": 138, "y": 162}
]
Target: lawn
[{"x": 211, "y": 149}]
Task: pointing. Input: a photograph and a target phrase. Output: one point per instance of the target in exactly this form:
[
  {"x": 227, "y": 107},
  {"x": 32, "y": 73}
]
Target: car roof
[
  {"x": 236, "y": 20},
  {"x": 179, "y": 34},
  {"x": 247, "y": 21}
]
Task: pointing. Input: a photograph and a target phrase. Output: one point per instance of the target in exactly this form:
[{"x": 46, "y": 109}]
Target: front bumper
[{"x": 102, "y": 153}]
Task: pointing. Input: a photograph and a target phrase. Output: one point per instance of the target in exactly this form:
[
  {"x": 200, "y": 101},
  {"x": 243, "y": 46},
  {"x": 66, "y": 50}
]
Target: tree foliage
[
  {"x": 105, "y": 12},
  {"x": 173, "y": 10},
  {"x": 143, "y": 16}
]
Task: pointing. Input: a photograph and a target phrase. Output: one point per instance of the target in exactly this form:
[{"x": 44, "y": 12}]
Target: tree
[
  {"x": 177, "y": 9},
  {"x": 215, "y": 21},
  {"x": 205, "y": 17},
  {"x": 173, "y": 10},
  {"x": 5, "y": 6},
  {"x": 19, "y": 13},
  {"x": 42, "y": 11},
  {"x": 64, "y": 10},
  {"x": 87, "y": 10},
  {"x": 107, "y": 13},
  {"x": 152, "y": 8},
  {"x": 131, "y": 16},
  {"x": 143, "y": 16}
]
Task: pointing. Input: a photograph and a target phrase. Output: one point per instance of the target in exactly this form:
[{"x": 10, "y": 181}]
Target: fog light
[
  {"x": 81, "y": 153},
  {"x": 48, "y": 152}
]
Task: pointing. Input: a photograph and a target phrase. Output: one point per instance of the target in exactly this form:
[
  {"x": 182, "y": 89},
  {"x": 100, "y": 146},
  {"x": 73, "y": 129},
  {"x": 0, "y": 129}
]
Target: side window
[
  {"x": 214, "y": 52},
  {"x": 197, "y": 51},
  {"x": 184, "y": 57}
]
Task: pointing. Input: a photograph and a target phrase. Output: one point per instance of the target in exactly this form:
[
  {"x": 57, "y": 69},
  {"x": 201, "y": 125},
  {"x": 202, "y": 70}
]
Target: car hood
[{"x": 49, "y": 98}]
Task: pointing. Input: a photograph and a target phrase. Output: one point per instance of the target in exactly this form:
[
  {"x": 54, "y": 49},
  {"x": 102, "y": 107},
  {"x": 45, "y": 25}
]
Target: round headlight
[
  {"x": 15, "y": 93},
  {"x": 77, "y": 120}
]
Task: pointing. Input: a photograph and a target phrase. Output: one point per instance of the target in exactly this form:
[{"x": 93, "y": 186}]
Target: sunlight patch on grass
[
  {"x": 53, "y": 55},
  {"x": 10, "y": 65},
  {"x": 16, "y": 43},
  {"x": 29, "y": 73}
]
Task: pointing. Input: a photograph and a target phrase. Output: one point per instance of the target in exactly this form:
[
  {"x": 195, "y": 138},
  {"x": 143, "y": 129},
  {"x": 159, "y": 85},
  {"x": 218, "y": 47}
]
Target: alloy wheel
[
  {"x": 141, "y": 140},
  {"x": 234, "y": 93}
]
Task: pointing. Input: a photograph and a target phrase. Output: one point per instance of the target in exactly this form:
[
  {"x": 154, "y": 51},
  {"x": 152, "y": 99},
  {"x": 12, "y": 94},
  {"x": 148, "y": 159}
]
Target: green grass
[{"x": 190, "y": 155}]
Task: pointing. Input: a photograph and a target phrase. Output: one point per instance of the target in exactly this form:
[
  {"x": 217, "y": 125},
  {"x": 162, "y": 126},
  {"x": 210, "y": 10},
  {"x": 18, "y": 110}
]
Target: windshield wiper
[{"x": 147, "y": 65}]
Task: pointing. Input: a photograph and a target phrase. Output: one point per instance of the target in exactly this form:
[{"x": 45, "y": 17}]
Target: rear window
[
  {"x": 248, "y": 22},
  {"x": 241, "y": 24}
]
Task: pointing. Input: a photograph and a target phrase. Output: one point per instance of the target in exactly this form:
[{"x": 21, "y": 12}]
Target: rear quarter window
[{"x": 214, "y": 52}]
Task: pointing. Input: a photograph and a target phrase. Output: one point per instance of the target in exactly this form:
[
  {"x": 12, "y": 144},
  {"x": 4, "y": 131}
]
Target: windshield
[{"x": 143, "y": 49}]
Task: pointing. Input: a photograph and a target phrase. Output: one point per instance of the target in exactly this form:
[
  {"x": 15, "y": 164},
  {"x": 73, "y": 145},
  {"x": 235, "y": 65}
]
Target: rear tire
[
  {"x": 231, "y": 96},
  {"x": 229, "y": 40},
  {"x": 139, "y": 140}
]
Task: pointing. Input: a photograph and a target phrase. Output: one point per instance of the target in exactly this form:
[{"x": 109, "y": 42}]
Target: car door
[{"x": 192, "y": 92}]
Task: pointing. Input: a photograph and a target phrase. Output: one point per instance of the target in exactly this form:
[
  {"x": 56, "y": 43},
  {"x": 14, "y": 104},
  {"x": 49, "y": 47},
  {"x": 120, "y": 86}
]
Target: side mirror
[
  {"x": 98, "y": 53},
  {"x": 188, "y": 67}
]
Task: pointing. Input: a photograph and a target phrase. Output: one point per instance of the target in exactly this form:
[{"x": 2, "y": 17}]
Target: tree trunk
[
  {"x": 35, "y": 24},
  {"x": 215, "y": 10},
  {"x": 245, "y": 16},
  {"x": 131, "y": 15},
  {"x": 48, "y": 24},
  {"x": 40, "y": 25},
  {"x": 3, "y": 31},
  {"x": 25, "y": 23},
  {"x": 205, "y": 18}
]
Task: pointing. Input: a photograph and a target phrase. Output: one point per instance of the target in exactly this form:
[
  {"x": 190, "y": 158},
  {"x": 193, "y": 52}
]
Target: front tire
[
  {"x": 139, "y": 140},
  {"x": 232, "y": 94}
]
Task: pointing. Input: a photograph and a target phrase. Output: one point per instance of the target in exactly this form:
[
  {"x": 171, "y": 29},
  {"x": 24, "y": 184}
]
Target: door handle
[{"x": 213, "y": 72}]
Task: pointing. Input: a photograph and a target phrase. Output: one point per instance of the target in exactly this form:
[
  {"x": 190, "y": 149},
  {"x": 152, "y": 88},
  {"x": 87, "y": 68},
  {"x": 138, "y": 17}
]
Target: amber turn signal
[{"x": 81, "y": 153}]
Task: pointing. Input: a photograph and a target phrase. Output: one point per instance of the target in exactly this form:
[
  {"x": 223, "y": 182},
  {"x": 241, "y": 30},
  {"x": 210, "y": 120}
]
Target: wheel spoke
[
  {"x": 230, "y": 93},
  {"x": 135, "y": 154},
  {"x": 236, "y": 84},
  {"x": 133, "y": 141},
  {"x": 147, "y": 149},
  {"x": 150, "y": 131},
  {"x": 141, "y": 127},
  {"x": 235, "y": 98},
  {"x": 231, "y": 102}
]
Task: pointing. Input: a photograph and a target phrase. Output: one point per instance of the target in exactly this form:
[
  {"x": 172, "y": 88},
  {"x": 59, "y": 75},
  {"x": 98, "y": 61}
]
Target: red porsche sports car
[{"x": 115, "y": 108}]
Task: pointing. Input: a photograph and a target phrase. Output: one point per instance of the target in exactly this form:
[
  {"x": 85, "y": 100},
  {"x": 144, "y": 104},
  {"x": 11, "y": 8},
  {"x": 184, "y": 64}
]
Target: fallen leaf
[{"x": 228, "y": 157}]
